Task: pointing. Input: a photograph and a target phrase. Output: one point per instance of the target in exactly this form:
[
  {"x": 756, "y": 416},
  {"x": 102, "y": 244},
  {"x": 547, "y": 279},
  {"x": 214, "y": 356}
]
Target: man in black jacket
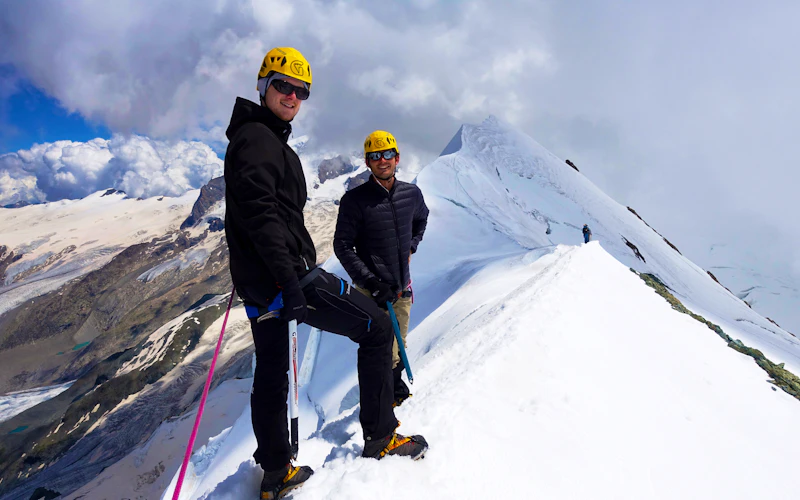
[
  {"x": 380, "y": 224},
  {"x": 272, "y": 260}
]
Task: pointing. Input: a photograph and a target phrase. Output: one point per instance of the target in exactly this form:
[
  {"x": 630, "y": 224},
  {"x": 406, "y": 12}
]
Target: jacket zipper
[{"x": 401, "y": 284}]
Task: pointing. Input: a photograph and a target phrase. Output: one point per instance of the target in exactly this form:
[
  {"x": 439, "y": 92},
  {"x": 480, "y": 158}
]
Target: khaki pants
[{"x": 402, "y": 309}]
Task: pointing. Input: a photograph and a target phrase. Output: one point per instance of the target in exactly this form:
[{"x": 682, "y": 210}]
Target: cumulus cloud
[
  {"x": 173, "y": 70},
  {"x": 140, "y": 166},
  {"x": 17, "y": 185}
]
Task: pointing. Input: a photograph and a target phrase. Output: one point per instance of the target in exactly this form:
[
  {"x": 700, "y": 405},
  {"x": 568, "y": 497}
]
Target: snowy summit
[{"x": 544, "y": 367}]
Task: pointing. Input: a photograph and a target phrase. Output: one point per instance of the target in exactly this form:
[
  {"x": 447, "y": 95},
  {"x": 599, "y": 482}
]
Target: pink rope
[{"x": 202, "y": 405}]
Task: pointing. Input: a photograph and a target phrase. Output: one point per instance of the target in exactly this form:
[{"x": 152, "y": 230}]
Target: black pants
[{"x": 333, "y": 307}]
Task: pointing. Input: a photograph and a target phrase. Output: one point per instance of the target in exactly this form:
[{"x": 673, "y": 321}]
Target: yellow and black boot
[
  {"x": 276, "y": 484},
  {"x": 395, "y": 444}
]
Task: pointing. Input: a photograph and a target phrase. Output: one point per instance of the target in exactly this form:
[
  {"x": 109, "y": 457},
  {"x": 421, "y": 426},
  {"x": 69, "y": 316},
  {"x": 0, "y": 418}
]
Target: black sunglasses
[
  {"x": 377, "y": 155},
  {"x": 287, "y": 88}
]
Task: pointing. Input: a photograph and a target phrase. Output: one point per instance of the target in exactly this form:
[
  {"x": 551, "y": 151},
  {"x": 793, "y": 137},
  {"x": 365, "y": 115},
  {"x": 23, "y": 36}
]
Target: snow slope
[
  {"x": 767, "y": 287},
  {"x": 544, "y": 367},
  {"x": 508, "y": 182},
  {"x": 538, "y": 370},
  {"x": 15, "y": 403}
]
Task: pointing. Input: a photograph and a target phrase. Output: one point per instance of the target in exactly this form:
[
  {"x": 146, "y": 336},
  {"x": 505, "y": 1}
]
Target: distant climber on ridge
[{"x": 587, "y": 234}]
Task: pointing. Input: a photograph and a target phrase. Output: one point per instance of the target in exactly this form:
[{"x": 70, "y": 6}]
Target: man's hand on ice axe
[
  {"x": 294, "y": 303},
  {"x": 381, "y": 292}
]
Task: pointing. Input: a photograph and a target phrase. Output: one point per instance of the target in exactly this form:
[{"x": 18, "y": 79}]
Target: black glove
[
  {"x": 294, "y": 302},
  {"x": 380, "y": 291}
]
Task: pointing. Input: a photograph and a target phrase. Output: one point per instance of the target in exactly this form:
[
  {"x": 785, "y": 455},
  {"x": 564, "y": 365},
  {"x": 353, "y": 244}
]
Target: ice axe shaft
[
  {"x": 293, "y": 393},
  {"x": 400, "y": 346}
]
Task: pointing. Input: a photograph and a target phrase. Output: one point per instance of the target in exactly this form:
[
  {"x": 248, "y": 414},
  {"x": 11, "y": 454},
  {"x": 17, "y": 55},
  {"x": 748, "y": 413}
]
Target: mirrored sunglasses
[
  {"x": 386, "y": 155},
  {"x": 287, "y": 88}
]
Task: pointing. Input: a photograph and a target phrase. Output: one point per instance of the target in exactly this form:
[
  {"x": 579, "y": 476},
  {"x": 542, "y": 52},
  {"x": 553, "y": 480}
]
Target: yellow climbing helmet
[
  {"x": 287, "y": 61},
  {"x": 379, "y": 141}
]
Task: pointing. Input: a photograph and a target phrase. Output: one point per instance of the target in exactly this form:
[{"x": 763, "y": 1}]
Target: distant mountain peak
[{"x": 210, "y": 195}]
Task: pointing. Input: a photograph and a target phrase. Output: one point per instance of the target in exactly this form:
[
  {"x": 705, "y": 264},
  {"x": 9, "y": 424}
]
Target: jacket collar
[
  {"x": 246, "y": 111},
  {"x": 378, "y": 185}
]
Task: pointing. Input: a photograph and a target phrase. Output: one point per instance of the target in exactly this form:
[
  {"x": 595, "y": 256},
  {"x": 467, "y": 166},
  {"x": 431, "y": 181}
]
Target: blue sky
[{"x": 30, "y": 116}]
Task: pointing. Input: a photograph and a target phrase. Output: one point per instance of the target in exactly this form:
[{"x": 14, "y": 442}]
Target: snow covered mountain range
[
  {"x": 608, "y": 370},
  {"x": 768, "y": 289}
]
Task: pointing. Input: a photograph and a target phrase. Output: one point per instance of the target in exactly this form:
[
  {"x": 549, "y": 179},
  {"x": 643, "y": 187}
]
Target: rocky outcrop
[
  {"x": 635, "y": 249},
  {"x": 651, "y": 227},
  {"x": 215, "y": 224},
  {"x": 572, "y": 165},
  {"x": 671, "y": 245},
  {"x": 210, "y": 194},
  {"x": 19, "y": 204},
  {"x": 723, "y": 286},
  {"x": 779, "y": 326},
  {"x": 334, "y": 167},
  {"x": 357, "y": 180},
  {"x": 111, "y": 191},
  {"x": 7, "y": 257},
  {"x": 779, "y": 376}
]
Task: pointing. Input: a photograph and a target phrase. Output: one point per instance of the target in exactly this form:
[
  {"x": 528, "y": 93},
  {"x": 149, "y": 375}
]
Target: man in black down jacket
[
  {"x": 271, "y": 253},
  {"x": 380, "y": 224}
]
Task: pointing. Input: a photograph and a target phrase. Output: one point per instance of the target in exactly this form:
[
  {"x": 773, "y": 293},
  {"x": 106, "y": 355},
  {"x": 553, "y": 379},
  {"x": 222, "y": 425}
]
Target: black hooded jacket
[
  {"x": 265, "y": 192},
  {"x": 378, "y": 229}
]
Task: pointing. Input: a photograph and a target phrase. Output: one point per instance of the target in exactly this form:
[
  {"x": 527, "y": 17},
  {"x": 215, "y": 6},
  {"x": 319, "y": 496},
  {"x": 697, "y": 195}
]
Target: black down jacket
[
  {"x": 265, "y": 192},
  {"x": 378, "y": 229}
]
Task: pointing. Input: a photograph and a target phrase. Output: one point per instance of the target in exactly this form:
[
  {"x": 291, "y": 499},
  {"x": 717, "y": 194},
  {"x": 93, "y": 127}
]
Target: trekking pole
[
  {"x": 202, "y": 405},
  {"x": 400, "y": 345},
  {"x": 293, "y": 395}
]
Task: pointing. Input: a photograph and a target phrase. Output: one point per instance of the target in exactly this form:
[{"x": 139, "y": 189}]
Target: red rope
[{"x": 202, "y": 404}]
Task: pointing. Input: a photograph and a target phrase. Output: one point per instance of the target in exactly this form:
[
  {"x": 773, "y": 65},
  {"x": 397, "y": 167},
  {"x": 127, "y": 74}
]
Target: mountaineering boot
[
  {"x": 276, "y": 484},
  {"x": 401, "y": 391},
  {"x": 395, "y": 444}
]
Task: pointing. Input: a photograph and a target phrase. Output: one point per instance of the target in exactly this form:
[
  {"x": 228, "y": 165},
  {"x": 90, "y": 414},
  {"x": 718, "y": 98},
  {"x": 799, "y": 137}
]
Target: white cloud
[
  {"x": 272, "y": 15},
  {"x": 404, "y": 92},
  {"x": 172, "y": 70},
  {"x": 17, "y": 185},
  {"x": 685, "y": 110},
  {"x": 137, "y": 165},
  {"x": 507, "y": 66}
]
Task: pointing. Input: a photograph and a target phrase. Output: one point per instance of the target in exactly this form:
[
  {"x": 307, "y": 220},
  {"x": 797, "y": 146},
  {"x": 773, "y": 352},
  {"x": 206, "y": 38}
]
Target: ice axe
[
  {"x": 293, "y": 396},
  {"x": 400, "y": 345}
]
